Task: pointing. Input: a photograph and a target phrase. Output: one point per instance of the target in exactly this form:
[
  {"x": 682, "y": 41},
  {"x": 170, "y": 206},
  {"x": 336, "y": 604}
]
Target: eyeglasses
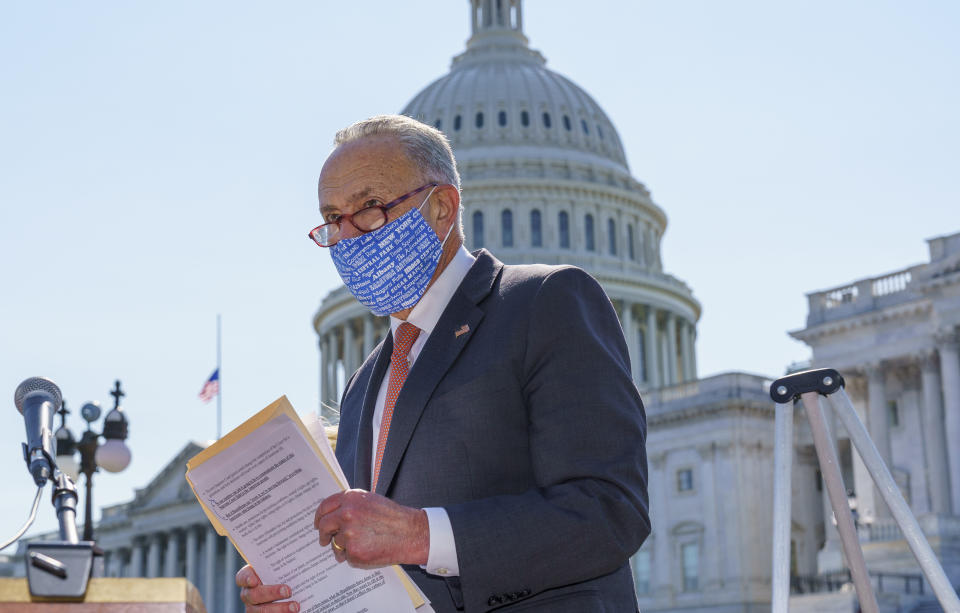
[{"x": 364, "y": 220}]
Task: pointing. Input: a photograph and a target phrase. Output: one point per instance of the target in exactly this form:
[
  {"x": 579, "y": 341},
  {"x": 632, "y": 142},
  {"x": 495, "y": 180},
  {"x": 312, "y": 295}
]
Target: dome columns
[
  {"x": 343, "y": 347},
  {"x": 661, "y": 344}
]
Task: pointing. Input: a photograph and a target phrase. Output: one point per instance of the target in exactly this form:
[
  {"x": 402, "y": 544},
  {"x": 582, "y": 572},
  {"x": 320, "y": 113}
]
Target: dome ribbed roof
[{"x": 500, "y": 93}]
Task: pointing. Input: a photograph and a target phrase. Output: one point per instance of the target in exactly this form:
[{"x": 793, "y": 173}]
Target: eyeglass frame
[{"x": 383, "y": 209}]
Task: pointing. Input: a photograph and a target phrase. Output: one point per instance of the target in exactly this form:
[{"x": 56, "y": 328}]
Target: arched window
[
  {"x": 563, "y": 221},
  {"x": 479, "y": 120},
  {"x": 546, "y": 120},
  {"x": 588, "y": 230},
  {"x": 612, "y": 236},
  {"x": 506, "y": 227},
  {"x": 438, "y": 124},
  {"x": 583, "y": 124},
  {"x": 502, "y": 118},
  {"x": 477, "y": 229},
  {"x": 456, "y": 123},
  {"x": 630, "y": 251},
  {"x": 566, "y": 123},
  {"x": 536, "y": 232},
  {"x": 524, "y": 118},
  {"x": 600, "y": 131}
]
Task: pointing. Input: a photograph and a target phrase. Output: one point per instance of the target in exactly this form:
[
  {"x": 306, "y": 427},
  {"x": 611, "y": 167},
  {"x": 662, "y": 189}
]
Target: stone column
[
  {"x": 934, "y": 443},
  {"x": 693, "y": 350},
  {"x": 950, "y": 374},
  {"x": 367, "y": 334},
  {"x": 712, "y": 544},
  {"x": 113, "y": 562},
  {"x": 653, "y": 377},
  {"x": 171, "y": 558},
  {"x": 209, "y": 566},
  {"x": 335, "y": 357},
  {"x": 153, "y": 556},
  {"x": 322, "y": 346},
  {"x": 685, "y": 349},
  {"x": 348, "y": 349},
  {"x": 878, "y": 421},
  {"x": 672, "y": 348},
  {"x": 136, "y": 560},
  {"x": 630, "y": 336},
  {"x": 230, "y": 590},
  {"x": 191, "y": 545},
  {"x": 661, "y": 562}
]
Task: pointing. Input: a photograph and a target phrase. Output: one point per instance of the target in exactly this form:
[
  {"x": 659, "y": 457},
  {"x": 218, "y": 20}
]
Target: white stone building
[{"x": 895, "y": 340}]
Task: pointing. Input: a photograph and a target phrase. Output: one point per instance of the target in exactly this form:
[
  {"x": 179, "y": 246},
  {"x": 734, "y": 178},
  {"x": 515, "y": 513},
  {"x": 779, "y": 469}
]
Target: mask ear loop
[{"x": 447, "y": 235}]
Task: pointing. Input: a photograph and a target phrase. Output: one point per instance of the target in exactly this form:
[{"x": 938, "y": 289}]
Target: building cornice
[{"x": 915, "y": 309}]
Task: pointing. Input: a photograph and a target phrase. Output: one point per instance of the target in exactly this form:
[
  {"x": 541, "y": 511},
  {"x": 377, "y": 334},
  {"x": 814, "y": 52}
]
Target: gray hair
[{"x": 425, "y": 146}]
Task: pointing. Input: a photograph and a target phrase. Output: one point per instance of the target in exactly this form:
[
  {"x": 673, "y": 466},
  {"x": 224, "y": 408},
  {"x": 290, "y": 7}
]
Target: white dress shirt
[{"x": 442, "y": 558}]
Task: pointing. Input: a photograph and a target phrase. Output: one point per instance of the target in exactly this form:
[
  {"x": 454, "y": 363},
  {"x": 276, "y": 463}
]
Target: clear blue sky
[{"x": 158, "y": 164}]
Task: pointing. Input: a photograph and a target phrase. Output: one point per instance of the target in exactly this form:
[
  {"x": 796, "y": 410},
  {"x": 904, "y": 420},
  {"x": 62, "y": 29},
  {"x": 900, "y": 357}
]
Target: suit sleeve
[{"x": 589, "y": 510}]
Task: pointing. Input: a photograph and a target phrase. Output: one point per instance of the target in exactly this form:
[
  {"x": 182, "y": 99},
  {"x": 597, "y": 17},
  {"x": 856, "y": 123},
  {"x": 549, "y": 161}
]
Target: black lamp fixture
[{"x": 113, "y": 455}]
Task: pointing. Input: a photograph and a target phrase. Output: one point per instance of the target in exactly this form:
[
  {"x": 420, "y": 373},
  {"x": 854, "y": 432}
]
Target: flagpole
[{"x": 220, "y": 376}]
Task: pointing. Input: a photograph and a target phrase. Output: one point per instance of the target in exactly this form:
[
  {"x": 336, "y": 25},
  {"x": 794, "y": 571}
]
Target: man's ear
[{"x": 446, "y": 204}]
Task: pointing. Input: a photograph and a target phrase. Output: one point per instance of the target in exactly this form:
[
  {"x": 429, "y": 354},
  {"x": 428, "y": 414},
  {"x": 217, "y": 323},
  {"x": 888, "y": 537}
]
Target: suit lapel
[
  {"x": 447, "y": 340},
  {"x": 362, "y": 467}
]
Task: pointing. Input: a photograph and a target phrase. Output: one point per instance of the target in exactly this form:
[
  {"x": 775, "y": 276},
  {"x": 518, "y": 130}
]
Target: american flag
[{"x": 211, "y": 388}]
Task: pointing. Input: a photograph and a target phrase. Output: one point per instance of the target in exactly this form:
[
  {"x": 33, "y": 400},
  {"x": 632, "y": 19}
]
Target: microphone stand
[{"x": 59, "y": 570}]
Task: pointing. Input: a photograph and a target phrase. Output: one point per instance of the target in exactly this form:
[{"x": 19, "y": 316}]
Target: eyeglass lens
[{"x": 365, "y": 220}]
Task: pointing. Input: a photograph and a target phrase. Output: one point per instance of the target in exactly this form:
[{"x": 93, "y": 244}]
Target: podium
[{"x": 109, "y": 595}]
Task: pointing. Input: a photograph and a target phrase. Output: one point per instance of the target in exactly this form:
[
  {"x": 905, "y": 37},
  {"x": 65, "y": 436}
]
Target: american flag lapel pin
[{"x": 463, "y": 330}]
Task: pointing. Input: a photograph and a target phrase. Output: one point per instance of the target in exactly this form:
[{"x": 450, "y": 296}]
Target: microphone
[{"x": 38, "y": 399}]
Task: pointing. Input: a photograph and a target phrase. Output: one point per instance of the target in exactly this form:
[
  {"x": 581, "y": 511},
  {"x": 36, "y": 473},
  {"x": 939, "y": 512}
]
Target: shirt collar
[{"x": 426, "y": 313}]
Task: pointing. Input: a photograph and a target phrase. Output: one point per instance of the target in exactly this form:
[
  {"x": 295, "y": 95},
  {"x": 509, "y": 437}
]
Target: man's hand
[
  {"x": 369, "y": 530},
  {"x": 258, "y": 597}
]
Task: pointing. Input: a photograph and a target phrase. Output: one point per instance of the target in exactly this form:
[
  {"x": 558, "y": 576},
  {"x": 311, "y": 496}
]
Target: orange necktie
[{"x": 403, "y": 340}]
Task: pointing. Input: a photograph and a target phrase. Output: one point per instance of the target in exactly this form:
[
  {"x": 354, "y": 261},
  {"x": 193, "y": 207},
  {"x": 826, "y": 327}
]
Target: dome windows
[
  {"x": 583, "y": 124},
  {"x": 546, "y": 120},
  {"x": 502, "y": 118},
  {"x": 563, "y": 222},
  {"x": 478, "y": 121},
  {"x": 566, "y": 123},
  {"x": 524, "y": 118},
  {"x": 438, "y": 124},
  {"x": 506, "y": 227},
  {"x": 600, "y": 131},
  {"x": 536, "y": 231},
  {"x": 477, "y": 230},
  {"x": 612, "y": 236},
  {"x": 456, "y": 123},
  {"x": 588, "y": 231}
]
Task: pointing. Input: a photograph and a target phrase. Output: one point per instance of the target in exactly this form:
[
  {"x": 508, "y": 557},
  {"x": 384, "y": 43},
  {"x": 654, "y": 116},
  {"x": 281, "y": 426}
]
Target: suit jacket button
[{"x": 494, "y": 600}]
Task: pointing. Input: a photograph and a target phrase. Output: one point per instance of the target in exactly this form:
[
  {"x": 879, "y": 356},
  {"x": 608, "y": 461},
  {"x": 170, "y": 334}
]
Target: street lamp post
[{"x": 113, "y": 455}]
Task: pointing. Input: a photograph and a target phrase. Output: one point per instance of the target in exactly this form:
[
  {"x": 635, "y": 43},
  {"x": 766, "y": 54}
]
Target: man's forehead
[{"x": 359, "y": 168}]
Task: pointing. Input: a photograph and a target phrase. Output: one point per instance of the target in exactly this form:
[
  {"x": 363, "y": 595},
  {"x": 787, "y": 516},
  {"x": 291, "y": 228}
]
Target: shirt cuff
[{"x": 442, "y": 557}]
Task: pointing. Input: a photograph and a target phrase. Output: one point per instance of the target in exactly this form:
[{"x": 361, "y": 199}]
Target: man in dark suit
[{"x": 495, "y": 439}]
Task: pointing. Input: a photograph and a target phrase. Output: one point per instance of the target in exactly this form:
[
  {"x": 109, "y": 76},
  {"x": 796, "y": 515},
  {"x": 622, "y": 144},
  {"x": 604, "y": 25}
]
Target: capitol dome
[
  {"x": 499, "y": 93},
  {"x": 544, "y": 179}
]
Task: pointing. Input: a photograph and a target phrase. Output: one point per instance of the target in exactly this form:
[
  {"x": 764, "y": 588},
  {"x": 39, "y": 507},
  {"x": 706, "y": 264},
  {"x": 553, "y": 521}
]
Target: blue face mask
[{"x": 388, "y": 270}]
